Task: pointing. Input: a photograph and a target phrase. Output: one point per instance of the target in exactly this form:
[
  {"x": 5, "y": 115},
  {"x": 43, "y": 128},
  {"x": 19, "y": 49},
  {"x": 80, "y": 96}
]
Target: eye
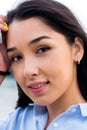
[
  {"x": 42, "y": 49},
  {"x": 16, "y": 58}
]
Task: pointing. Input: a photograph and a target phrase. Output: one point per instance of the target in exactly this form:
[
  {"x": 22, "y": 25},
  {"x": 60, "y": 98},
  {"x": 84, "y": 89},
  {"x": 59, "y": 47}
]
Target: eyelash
[
  {"x": 39, "y": 51},
  {"x": 16, "y": 58},
  {"x": 42, "y": 50}
]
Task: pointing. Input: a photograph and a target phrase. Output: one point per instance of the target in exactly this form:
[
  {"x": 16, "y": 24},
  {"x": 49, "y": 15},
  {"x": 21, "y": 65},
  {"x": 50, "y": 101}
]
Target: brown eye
[
  {"x": 42, "y": 50},
  {"x": 16, "y": 58}
]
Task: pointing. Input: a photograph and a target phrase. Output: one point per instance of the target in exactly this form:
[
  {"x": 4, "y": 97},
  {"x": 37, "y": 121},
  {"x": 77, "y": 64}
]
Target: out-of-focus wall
[{"x": 8, "y": 97}]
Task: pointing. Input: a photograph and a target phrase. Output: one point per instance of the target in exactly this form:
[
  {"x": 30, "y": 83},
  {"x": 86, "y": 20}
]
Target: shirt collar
[
  {"x": 38, "y": 109},
  {"x": 42, "y": 109},
  {"x": 83, "y": 108}
]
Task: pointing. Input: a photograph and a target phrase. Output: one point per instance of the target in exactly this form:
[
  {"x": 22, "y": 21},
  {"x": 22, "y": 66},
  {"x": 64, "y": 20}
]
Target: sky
[{"x": 78, "y": 7}]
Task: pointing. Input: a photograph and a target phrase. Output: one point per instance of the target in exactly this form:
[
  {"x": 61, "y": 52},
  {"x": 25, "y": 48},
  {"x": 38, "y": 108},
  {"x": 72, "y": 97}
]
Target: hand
[{"x": 4, "y": 62}]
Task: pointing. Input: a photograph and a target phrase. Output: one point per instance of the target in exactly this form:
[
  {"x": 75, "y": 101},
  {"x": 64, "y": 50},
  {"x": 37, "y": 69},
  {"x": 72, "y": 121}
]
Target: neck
[{"x": 64, "y": 102}]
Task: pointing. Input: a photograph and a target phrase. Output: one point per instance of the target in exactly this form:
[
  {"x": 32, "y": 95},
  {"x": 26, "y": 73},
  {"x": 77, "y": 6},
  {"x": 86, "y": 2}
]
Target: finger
[
  {"x": 3, "y": 28},
  {"x": 3, "y": 18},
  {"x": 3, "y": 25}
]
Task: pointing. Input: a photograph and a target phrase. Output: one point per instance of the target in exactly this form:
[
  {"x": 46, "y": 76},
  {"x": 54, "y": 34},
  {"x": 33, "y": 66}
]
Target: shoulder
[
  {"x": 21, "y": 112},
  {"x": 19, "y": 116}
]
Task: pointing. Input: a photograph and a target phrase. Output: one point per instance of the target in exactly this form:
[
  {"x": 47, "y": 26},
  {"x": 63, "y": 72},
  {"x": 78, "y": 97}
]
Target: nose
[{"x": 31, "y": 69}]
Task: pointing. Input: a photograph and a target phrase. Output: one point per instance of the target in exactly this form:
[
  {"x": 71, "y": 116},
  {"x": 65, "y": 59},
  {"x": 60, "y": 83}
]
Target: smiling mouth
[{"x": 38, "y": 87}]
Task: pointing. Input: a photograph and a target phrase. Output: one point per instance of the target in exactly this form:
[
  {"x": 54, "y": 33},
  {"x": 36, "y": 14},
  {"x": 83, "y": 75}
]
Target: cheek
[
  {"x": 17, "y": 73},
  {"x": 59, "y": 68}
]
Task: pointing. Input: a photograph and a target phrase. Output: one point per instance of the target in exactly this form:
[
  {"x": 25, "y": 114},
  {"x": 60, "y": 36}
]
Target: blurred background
[
  {"x": 8, "y": 89},
  {"x": 8, "y": 96}
]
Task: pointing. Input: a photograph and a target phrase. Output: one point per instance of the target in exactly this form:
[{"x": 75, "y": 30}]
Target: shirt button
[
  {"x": 55, "y": 124},
  {"x": 74, "y": 110}
]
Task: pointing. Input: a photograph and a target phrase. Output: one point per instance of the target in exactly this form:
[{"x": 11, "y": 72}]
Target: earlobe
[{"x": 78, "y": 50}]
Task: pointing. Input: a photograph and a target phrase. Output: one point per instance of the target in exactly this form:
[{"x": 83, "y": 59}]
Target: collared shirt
[{"x": 34, "y": 117}]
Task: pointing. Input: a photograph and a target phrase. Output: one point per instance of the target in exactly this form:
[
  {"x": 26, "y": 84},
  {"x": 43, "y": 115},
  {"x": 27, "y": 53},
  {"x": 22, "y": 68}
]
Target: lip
[{"x": 38, "y": 87}]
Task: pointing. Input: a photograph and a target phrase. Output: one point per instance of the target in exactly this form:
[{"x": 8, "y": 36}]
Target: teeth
[{"x": 38, "y": 86}]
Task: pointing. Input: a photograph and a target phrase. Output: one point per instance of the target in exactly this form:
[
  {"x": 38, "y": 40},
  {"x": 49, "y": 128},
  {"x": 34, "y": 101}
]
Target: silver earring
[{"x": 78, "y": 61}]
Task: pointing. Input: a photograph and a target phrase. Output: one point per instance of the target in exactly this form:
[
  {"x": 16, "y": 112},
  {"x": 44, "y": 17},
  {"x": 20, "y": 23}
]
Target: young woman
[{"x": 47, "y": 48}]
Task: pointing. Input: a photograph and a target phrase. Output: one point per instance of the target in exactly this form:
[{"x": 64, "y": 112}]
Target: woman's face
[{"x": 42, "y": 61}]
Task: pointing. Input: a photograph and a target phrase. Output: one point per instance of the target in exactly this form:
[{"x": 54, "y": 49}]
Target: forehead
[
  {"x": 31, "y": 27},
  {"x": 28, "y": 25},
  {"x": 35, "y": 21},
  {"x": 27, "y": 30}
]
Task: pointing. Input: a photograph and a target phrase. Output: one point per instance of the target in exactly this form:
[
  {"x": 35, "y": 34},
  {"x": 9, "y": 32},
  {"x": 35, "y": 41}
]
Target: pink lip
[{"x": 38, "y": 87}]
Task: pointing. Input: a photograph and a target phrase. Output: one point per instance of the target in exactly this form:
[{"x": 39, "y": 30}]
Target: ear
[{"x": 78, "y": 50}]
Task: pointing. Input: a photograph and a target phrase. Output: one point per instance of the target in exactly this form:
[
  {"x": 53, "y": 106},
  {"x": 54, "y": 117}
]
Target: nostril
[
  {"x": 32, "y": 76},
  {"x": 31, "y": 71}
]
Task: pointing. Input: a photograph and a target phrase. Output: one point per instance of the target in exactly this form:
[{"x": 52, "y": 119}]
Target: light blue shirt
[{"x": 34, "y": 117}]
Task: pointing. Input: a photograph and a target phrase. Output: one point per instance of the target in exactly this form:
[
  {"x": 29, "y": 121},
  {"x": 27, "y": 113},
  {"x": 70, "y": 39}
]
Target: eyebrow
[
  {"x": 39, "y": 39},
  {"x": 11, "y": 49},
  {"x": 31, "y": 42}
]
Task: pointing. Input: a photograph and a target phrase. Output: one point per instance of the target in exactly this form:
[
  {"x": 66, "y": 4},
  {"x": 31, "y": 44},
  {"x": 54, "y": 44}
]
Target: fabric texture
[{"x": 34, "y": 117}]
